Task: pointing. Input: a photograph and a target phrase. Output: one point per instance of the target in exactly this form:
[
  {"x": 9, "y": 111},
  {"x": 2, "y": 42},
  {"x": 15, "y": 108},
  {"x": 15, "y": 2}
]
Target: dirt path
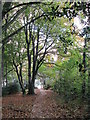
[
  {"x": 46, "y": 107},
  {"x": 41, "y": 105},
  {"x": 37, "y": 111}
]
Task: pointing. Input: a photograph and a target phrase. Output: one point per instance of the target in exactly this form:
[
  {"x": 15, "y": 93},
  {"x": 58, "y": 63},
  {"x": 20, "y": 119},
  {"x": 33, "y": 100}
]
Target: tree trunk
[
  {"x": 28, "y": 41},
  {"x": 30, "y": 83},
  {"x": 3, "y": 64},
  {"x": 34, "y": 61},
  {"x": 19, "y": 78},
  {"x": 88, "y": 96},
  {"x": 21, "y": 85},
  {"x": 84, "y": 63},
  {"x": 21, "y": 73},
  {"x": 88, "y": 110},
  {"x": 6, "y": 75}
]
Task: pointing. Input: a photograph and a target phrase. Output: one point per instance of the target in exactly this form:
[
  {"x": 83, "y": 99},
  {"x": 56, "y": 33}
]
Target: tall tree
[{"x": 36, "y": 50}]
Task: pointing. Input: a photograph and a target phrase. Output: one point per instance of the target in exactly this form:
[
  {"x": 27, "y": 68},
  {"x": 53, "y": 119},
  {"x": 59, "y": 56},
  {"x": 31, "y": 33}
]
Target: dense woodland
[{"x": 40, "y": 41}]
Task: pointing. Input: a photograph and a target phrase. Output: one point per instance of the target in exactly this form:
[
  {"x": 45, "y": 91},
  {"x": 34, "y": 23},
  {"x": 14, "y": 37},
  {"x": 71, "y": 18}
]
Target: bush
[
  {"x": 69, "y": 85},
  {"x": 47, "y": 86},
  {"x": 11, "y": 88},
  {"x": 5, "y": 91}
]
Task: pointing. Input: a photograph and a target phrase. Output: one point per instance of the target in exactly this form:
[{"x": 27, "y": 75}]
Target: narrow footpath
[
  {"x": 42, "y": 105},
  {"x": 45, "y": 104}
]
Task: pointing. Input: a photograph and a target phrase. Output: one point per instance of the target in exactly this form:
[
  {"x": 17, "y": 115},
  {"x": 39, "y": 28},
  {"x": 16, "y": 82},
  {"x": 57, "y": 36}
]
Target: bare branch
[{"x": 23, "y": 4}]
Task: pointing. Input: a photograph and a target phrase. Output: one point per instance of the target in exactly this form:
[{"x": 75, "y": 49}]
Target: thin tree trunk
[
  {"x": 30, "y": 83},
  {"x": 88, "y": 109},
  {"x": 3, "y": 64},
  {"x": 28, "y": 41},
  {"x": 6, "y": 75},
  {"x": 35, "y": 55},
  {"x": 88, "y": 73},
  {"x": 19, "y": 78},
  {"x": 3, "y": 51},
  {"x": 34, "y": 61},
  {"x": 21, "y": 73},
  {"x": 84, "y": 63}
]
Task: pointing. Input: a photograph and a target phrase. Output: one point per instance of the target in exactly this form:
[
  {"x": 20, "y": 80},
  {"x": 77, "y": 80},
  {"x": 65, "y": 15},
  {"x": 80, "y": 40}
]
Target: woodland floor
[{"x": 45, "y": 104}]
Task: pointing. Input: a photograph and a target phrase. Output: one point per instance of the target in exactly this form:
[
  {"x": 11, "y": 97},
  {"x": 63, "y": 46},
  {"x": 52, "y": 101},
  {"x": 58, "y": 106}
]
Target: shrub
[
  {"x": 47, "y": 86},
  {"x": 5, "y": 91},
  {"x": 69, "y": 85},
  {"x": 11, "y": 88}
]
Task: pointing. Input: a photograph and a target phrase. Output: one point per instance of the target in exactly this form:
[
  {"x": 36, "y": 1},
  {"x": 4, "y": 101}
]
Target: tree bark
[
  {"x": 21, "y": 73},
  {"x": 28, "y": 41},
  {"x": 6, "y": 75},
  {"x": 88, "y": 109},
  {"x": 84, "y": 63},
  {"x": 34, "y": 60},
  {"x": 3, "y": 64},
  {"x": 19, "y": 78},
  {"x": 30, "y": 83}
]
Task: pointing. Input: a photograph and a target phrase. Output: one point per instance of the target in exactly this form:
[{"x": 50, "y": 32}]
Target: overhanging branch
[{"x": 5, "y": 40}]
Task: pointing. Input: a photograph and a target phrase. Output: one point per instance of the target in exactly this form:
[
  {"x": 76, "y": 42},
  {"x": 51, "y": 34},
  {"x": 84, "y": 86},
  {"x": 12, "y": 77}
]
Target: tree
[
  {"x": 40, "y": 11},
  {"x": 15, "y": 55},
  {"x": 36, "y": 50}
]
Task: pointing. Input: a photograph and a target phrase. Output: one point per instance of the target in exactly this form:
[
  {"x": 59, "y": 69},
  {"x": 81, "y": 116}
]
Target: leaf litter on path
[{"x": 41, "y": 105}]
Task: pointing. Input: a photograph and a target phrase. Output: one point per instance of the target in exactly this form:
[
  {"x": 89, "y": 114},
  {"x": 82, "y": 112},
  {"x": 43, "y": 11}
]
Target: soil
[{"x": 44, "y": 104}]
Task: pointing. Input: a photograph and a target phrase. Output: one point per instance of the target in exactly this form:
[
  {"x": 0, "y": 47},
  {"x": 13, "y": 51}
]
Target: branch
[
  {"x": 8, "y": 72},
  {"x": 19, "y": 5},
  {"x": 5, "y": 40},
  {"x": 6, "y": 7},
  {"x": 14, "y": 17}
]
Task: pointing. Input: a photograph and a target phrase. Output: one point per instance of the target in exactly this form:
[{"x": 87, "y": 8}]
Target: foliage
[
  {"x": 50, "y": 73},
  {"x": 47, "y": 86},
  {"x": 70, "y": 82},
  {"x": 11, "y": 88},
  {"x": 34, "y": 28}
]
